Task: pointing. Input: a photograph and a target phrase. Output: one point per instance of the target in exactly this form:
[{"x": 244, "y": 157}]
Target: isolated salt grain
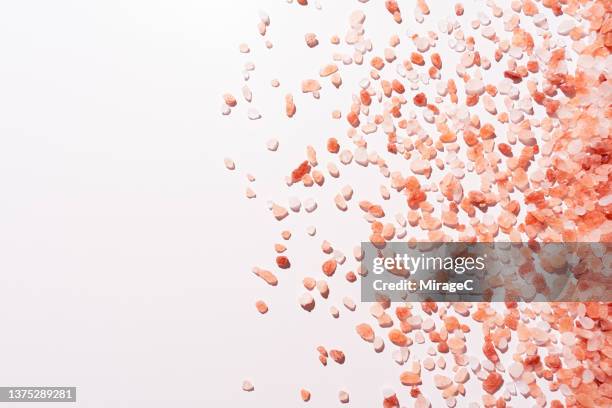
[
  {"x": 294, "y": 204},
  {"x": 333, "y": 170},
  {"x": 349, "y": 303},
  {"x": 310, "y": 85},
  {"x": 310, "y": 205},
  {"x": 311, "y": 230},
  {"x": 229, "y": 163},
  {"x": 328, "y": 69},
  {"x": 346, "y": 157},
  {"x": 340, "y": 202},
  {"x": 250, "y": 193},
  {"x": 229, "y": 100},
  {"x": 337, "y": 355},
  {"x": 311, "y": 40},
  {"x": 244, "y": 48},
  {"x": 343, "y": 396},
  {"x": 290, "y": 108},
  {"x": 309, "y": 283},
  {"x": 266, "y": 275},
  {"x": 307, "y": 302},
  {"x": 272, "y": 145},
  {"x": 247, "y": 94},
  {"x": 279, "y": 212},
  {"x": 247, "y": 386},
  {"x": 253, "y": 114},
  {"x": 261, "y": 306},
  {"x": 347, "y": 192},
  {"x": 305, "y": 395}
]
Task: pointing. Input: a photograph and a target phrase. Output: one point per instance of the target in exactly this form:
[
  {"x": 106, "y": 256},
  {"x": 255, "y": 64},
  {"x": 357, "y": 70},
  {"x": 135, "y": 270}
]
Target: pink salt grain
[
  {"x": 311, "y": 40},
  {"x": 261, "y": 306}
]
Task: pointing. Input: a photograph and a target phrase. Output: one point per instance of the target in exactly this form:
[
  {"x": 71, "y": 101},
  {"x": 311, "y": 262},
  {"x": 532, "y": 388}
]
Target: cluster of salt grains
[{"x": 556, "y": 161}]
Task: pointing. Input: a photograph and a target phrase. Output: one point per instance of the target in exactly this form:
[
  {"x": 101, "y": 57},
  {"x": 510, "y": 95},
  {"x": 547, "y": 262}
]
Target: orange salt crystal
[
  {"x": 392, "y": 6},
  {"x": 402, "y": 313},
  {"x": 397, "y": 86},
  {"x": 471, "y": 100},
  {"x": 267, "y": 276},
  {"x": 377, "y": 227},
  {"x": 332, "y": 145},
  {"x": 459, "y": 9},
  {"x": 329, "y": 267},
  {"x": 489, "y": 351},
  {"x": 300, "y": 171},
  {"x": 305, "y": 395},
  {"x": 289, "y": 105},
  {"x": 337, "y": 356},
  {"x": 391, "y": 402},
  {"x": 353, "y": 119},
  {"x": 487, "y": 132},
  {"x": 283, "y": 262},
  {"x": 436, "y": 60},
  {"x": 553, "y": 362},
  {"x": 532, "y": 66},
  {"x": 309, "y": 283},
  {"x": 377, "y": 240},
  {"x": 365, "y": 332},
  {"x": 365, "y": 97},
  {"x": 261, "y": 306},
  {"x": 229, "y": 100},
  {"x": 417, "y": 58},
  {"x": 505, "y": 149},
  {"x": 376, "y": 211},
  {"x": 423, "y": 7},
  {"x": 351, "y": 277},
  {"x": 409, "y": 378},
  {"x": 492, "y": 383},
  {"x": 451, "y": 323},
  {"x": 420, "y": 99},
  {"x": 515, "y": 77},
  {"x": 377, "y": 63},
  {"x": 398, "y": 338}
]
